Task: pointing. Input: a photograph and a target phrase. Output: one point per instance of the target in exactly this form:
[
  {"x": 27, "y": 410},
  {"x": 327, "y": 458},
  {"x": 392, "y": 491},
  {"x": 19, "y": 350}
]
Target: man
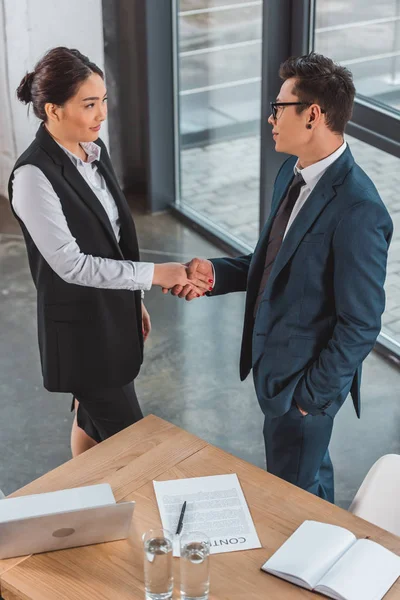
[{"x": 315, "y": 281}]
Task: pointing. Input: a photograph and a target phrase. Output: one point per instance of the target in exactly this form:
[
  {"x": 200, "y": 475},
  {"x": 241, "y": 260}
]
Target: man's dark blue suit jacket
[{"x": 321, "y": 310}]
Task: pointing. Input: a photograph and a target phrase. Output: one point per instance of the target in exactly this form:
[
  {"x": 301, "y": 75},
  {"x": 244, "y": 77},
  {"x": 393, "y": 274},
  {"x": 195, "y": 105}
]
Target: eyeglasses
[{"x": 276, "y": 105}]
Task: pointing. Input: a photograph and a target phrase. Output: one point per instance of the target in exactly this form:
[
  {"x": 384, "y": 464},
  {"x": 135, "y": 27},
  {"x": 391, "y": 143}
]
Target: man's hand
[
  {"x": 196, "y": 268},
  {"x": 303, "y": 412},
  {"x": 146, "y": 323}
]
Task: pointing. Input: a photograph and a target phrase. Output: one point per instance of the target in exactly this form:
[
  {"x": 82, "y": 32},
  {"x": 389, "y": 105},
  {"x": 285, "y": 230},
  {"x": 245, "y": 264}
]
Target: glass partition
[
  {"x": 365, "y": 37},
  {"x": 219, "y": 89}
]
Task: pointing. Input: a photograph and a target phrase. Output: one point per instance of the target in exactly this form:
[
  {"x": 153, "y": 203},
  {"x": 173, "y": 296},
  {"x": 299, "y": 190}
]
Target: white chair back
[{"x": 378, "y": 498}]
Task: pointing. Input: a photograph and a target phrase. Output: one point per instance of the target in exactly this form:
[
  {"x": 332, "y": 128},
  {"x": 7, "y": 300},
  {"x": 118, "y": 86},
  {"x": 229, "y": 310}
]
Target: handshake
[{"x": 189, "y": 281}]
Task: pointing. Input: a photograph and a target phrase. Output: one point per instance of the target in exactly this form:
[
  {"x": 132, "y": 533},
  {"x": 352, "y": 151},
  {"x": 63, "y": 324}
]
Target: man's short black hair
[{"x": 321, "y": 81}]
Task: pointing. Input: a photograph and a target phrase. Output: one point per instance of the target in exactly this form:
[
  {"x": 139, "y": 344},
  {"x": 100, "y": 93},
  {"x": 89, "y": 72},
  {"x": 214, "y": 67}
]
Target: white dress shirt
[
  {"x": 311, "y": 176},
  {"x": 39, "y": 208}
]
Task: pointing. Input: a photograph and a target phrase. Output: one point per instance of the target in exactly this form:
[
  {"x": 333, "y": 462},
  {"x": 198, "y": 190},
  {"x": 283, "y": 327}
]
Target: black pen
[{"x": 180, "y": 522}]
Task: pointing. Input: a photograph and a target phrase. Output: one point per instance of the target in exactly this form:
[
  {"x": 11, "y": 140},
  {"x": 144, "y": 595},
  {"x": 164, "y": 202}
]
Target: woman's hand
[
  {"x": 168, "y": 275},
  {"x": 146, "y": 322}
]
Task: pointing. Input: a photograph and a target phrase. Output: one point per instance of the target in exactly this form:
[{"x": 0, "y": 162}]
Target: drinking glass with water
[
  {"x": 195, "y": 566},
  {"x": 158, "y": 576}
]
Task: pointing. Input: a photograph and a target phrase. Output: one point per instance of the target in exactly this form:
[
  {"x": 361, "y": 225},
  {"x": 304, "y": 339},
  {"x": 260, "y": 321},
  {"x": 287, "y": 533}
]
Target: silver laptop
[{"x": 80, "y": 527}]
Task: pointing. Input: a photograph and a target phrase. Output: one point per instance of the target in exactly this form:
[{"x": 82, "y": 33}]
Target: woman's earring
[{"x": 308, "y": 126}]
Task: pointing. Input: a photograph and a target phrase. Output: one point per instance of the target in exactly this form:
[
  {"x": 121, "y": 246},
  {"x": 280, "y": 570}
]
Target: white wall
[
  {"x": 28, "y": 28},
  {"x": 7, "y": 139}
]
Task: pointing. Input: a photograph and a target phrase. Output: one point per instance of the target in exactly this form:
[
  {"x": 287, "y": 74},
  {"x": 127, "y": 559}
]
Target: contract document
[{"x": 215, "y": 506}]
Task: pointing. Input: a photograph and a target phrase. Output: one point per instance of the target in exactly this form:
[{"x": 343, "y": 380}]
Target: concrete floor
[{"x": 189, "y": 377}]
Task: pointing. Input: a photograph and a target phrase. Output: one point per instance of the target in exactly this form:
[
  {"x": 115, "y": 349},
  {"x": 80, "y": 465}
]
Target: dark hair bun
[
  {"x": 55, "y": 79},
  {"x": 24, "y": 91}
]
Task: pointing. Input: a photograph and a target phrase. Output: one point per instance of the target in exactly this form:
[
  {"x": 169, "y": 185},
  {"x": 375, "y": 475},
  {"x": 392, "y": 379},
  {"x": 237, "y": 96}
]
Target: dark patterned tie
[{"x": 278, "y": 231}]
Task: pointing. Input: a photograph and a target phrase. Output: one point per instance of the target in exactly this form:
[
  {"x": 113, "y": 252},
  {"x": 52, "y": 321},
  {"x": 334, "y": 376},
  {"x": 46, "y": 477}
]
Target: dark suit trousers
[{"x": 297, "y": 451}]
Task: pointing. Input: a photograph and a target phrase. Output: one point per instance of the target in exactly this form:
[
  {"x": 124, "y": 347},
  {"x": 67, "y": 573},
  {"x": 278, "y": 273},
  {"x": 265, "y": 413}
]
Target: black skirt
[{"x": 104, "y": 412}]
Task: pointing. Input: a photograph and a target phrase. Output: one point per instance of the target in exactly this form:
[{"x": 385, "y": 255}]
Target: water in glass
[
  {"x": 158, "y": 568},
  {"x": 195, "y": 571}
]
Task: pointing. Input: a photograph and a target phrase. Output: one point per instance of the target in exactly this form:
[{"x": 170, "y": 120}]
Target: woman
[{"x": 83, "y": 250}]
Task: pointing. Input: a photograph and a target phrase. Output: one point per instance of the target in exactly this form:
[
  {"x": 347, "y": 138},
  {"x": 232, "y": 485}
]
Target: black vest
[{"x": 88, "y": 338}]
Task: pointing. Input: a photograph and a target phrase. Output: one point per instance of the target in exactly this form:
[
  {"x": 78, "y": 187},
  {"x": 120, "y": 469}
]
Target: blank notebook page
[
  {"x": 310, "y": 551},
  {"x": 365, "y": 572}
]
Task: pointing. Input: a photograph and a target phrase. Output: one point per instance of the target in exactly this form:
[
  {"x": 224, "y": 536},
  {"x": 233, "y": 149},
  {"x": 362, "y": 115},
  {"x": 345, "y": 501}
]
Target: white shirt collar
[
  {"x": 313, "y": 173},
  {"x": 92, "y": 150}
]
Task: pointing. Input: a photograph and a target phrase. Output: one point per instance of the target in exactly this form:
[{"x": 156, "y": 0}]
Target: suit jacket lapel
[
  {"x": 85, "y": 192},
  {"x": 76, "y": 181},
  {"x": 323, "y": 193}
]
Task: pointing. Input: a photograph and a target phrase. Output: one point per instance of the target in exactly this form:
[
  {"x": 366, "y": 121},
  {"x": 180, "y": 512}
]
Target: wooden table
[{"x": 130, "y": 461}]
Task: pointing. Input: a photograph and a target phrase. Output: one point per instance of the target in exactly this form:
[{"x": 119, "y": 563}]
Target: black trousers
[{"x": 104, "y": 412}]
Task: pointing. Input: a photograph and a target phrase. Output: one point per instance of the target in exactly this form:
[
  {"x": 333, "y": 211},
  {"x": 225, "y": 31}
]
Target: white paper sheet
[{"x": 215, "y": 506}]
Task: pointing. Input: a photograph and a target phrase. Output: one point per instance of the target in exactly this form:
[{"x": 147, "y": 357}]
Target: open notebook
[{"x": 330, "y": 560}]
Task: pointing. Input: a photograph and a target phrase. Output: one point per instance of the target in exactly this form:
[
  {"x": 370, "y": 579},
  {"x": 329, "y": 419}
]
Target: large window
[
  {"x": 219, "y": 49},
  {"x": 383, "y": 170},
  {"x": 219, "y": 88},
  {"x": 365, "y": 37}
]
